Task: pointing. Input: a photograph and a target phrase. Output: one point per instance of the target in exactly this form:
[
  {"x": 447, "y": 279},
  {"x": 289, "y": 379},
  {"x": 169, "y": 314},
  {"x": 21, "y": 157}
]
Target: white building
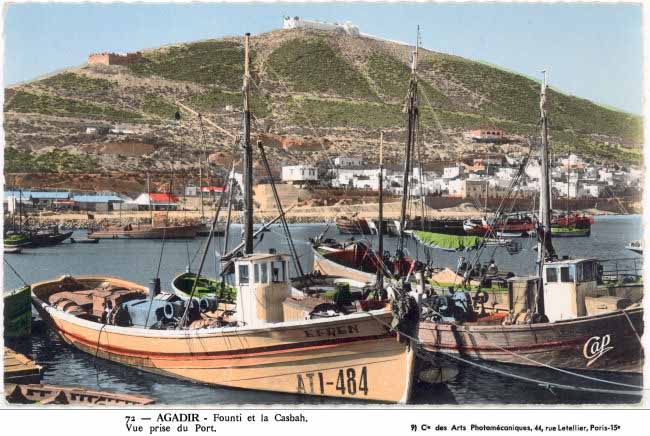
[
  {"x": 299, "y": 23},
  {"x": 506, "y": 173},
  {"x": 347, "y": 162},
  {"x": 590, "y": 190},
  {"x": 299, "y": 173},
  {"x": 453, "y": 172}
]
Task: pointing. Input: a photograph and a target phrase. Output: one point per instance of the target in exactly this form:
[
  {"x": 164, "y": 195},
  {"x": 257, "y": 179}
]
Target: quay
[{"x": 19, "y": 368}]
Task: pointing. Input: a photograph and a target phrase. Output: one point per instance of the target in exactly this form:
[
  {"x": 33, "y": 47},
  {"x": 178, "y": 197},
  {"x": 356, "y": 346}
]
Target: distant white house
[
  {"x": 299, "y": 174},
  {"x": 454, "y": 172},
  {"x": 347, "y": 162}
]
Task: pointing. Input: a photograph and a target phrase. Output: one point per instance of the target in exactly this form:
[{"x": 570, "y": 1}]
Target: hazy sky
[{"x": 591, "y": 50}]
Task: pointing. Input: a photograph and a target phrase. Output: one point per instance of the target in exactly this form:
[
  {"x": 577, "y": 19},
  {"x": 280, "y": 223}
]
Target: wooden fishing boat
[
  {"x": 355, "y": 260},
  {"x": 146, "y": 232},
  {"x": 437, "y": 225},
  {"x": 48, "y": 237},
  {"x": 353, "y": 226},
  {"x": 588, "y": 327},
  {"x": 570, "y": 315},
  {"x": 15, "y": 240},
  {"x": 17, "y": 313},
  {"x": 68, "y": 395},
  {"x": 272, "y": 342}
]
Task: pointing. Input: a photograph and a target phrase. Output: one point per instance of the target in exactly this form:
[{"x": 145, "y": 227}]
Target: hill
[{"x": 320, "y": 94}]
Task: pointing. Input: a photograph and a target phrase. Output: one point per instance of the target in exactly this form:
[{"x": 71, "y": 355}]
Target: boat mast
[
  {"x": 545, "y": 250},
  {"x": 412, "y": 111},
  {"x": 201, "y": 169},
  {"x": 149, "y": 197},
  {"x": 380, "y": 230},
  {"x": 248, "y": 158},
  {"x": 231, "y": 180}
]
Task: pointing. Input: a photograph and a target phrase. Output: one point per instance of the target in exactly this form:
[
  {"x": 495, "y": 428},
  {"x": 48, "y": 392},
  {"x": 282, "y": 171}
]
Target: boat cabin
[
  {"x": 567, "y": 283},
  {"x": 262, "y": 282}
]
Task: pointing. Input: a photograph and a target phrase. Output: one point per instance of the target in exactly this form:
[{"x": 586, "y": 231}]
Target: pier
[{"x": 19, "y": 368}]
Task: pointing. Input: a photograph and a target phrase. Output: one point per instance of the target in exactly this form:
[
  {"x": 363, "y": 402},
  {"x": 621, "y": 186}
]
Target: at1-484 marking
[{"x": 348, "y": 382}]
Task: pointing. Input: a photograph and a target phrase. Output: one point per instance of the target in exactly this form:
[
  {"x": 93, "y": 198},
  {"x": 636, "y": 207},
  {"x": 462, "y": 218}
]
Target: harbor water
[{"x": 140, "y": 261}]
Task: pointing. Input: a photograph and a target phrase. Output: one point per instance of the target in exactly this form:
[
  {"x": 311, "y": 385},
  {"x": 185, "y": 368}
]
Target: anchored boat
[
  {"x": 17, "y": 313},
  {"x": 571, "y": 315},
  {"x": 271, "y": 342}
]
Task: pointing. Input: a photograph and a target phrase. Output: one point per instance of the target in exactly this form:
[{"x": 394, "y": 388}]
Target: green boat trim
[
  {"x": 16, "y": 240},
  {"x": 205, "y": 286},
  {"x": 569, "y": 231},
  {"x": 18, "y": 313},
  {"x": 449, "y": 242}
]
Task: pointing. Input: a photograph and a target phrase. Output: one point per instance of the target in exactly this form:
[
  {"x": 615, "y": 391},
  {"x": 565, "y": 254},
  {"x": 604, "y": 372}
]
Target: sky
[{"x": 592, "y": 51}]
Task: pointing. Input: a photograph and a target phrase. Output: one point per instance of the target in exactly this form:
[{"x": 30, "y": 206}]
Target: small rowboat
[
  {"x": 84, "y": 241},
  {"x": 12, "y": 250},
  {"x": 62, "y": 395},
  {"x": 183, "y": 284}
]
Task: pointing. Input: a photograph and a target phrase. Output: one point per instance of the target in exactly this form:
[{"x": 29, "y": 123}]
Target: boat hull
[
  {"x": 330, "y": 268},
  {"x": 17, "y": 313},
  {"x": 572, "y": 344},
  {"x": 48, "y": 240},
  {"x": 352, "y": 357},
  {"x": 358, "y": 226},
  {"x": 171, "y": 232}
]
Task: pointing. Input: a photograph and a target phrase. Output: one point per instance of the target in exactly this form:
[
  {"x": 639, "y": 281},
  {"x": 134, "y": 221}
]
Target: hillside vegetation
[{"x": 339, "y": 89}]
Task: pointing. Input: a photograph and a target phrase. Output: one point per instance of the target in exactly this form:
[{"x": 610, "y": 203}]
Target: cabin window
[
  {"x": 257, "y": 273},
  {"x": 265, "y": 272},
  {"x": 278, "y": 271},
  {"x": 567, "y": 274},
  {"x": 243, "y": 274},
  {"x": 588, "y": 272},
  {"x": 551, "y": 274}
]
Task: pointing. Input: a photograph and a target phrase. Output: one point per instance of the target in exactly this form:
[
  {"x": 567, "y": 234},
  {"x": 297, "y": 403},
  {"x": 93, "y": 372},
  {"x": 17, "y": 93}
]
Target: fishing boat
[
  {"x": 274, "y": 339},
  {"x": 353, "y": 226},
  {"x": 15, "y": 240},
  {"x": 158, "y": 231},
  {"x": 47, "y": 237},
  {"x": 17, "y": 312},
  {"x": 505, "y": 226},
  {"x": 636, "y": 246},
  {"x": 67, "y": 395},
  {"x": 267, "y": 344},
  {"x": 448, "y": 226},
  {"x": 568, "y": 316}
]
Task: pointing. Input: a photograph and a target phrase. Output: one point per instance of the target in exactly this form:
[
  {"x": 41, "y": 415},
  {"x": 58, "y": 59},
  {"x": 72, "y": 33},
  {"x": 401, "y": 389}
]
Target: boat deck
[{"x": 19, "y": 368}]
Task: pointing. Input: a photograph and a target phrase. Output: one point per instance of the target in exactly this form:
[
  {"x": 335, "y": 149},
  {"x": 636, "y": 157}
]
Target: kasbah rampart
[{"x": 106, "y": 58}]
